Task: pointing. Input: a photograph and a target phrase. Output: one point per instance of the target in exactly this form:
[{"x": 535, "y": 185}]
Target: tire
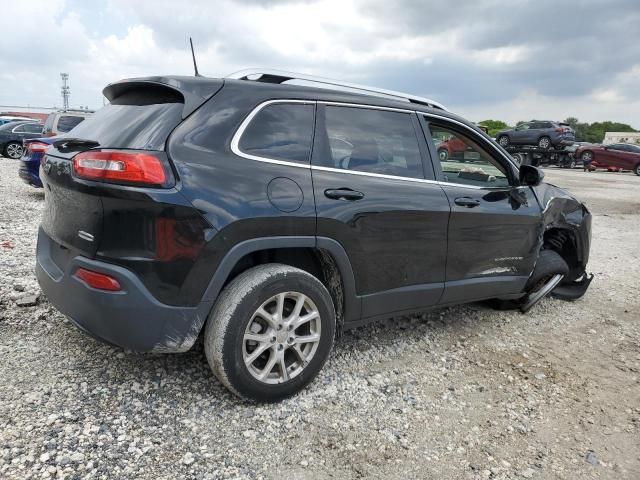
[
  {"x": 503, "y": 140},
  {"x": 549, "y": 263},
  {"x": 572, "y": 163},
  {"x": 236, "y": 316},
  {"x": 443, "y": 155},
  {"x": 544, "y": 142},
  {"x": 13, "y": 150},
  {"x": 587, "y": 156},
  {"x": 636, "y": 169}
]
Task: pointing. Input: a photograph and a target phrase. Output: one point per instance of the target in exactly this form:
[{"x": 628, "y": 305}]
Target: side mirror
[{"x": 530, "y": 176}]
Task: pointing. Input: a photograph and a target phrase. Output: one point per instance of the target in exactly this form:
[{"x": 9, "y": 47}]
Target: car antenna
[{"x": 193, "y": 54}]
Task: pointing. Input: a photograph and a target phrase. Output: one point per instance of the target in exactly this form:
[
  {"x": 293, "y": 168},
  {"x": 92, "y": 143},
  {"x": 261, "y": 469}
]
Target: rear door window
[
  {"x": 68, "y": 122},
  {"x": 280, "y": 131},
  {"x": 33, "y": 128},
  {"x": 373, "y": 141}
]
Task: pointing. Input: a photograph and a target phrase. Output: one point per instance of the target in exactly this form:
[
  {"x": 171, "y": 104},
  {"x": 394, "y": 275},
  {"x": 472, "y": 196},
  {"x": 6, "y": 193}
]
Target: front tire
[
  {"x": 443, "y": 155},
  {"x": 270, "y": 332},
  {"x": 13, "y": 150}
]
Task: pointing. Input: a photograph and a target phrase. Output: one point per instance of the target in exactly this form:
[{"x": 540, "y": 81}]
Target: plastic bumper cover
[{"x": 132, "y": 318}]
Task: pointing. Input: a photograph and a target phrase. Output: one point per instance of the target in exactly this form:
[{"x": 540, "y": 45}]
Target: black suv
[{"x": 274, "y": 216}]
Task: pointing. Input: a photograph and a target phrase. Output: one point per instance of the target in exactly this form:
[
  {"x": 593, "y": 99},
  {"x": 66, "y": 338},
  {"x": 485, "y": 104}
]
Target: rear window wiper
[{"x": 66, "y": 145}]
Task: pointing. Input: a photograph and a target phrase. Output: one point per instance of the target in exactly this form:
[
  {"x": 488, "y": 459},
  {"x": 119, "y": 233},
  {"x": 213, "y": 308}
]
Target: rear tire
[
  {"x": 13, "y": 150},
  {"x": 252, "y": 341},
  {"x": 636, "y": 170}
]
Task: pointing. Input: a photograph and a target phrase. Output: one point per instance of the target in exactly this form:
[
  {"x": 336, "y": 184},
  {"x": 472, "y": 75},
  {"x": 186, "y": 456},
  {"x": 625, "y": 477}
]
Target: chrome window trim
[
  {"x": 235, "y": 141},
  {"x": 371, "y": 174}
]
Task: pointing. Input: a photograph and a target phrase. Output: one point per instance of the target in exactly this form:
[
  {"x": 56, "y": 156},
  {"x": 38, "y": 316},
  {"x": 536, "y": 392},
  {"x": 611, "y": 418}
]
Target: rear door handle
[
  {"x": 467, "y": 202},
  {"x": 343, "y": 194}
]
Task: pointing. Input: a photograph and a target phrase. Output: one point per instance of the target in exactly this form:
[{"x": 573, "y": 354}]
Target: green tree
[
  {"x": 494, "y": 126},
  {"x": 595, "y": 132}
]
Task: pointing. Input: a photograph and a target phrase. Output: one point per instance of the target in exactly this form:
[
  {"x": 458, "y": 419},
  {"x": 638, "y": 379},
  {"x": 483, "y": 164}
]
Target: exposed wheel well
[
  {"x": 316, "y": 261},
  {"x": 563, "y": 241}
]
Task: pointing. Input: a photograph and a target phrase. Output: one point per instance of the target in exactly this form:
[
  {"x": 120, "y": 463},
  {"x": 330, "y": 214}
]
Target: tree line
[{"x": 585, "y": 132}]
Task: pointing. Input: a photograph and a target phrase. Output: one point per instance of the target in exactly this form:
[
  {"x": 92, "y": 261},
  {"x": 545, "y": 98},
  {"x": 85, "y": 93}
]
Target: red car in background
[
  {"x": 455, "y": 149},
  {"x": 616, "y": 157}
]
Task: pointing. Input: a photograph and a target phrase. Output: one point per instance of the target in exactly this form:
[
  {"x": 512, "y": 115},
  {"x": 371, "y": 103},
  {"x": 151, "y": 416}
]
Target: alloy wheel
[
  {"x": 281, "y": 338},
  {"x": 14, "y": 150}
]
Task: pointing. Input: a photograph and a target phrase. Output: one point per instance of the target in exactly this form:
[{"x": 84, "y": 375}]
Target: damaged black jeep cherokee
[{"x": 273, "y": 215}]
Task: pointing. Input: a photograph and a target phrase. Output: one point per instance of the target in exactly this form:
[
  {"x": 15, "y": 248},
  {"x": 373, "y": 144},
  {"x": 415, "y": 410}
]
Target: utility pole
[{"x": 65, "y": 90}]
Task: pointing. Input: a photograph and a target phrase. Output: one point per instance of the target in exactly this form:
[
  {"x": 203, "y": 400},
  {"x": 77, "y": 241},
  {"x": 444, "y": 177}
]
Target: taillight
[
  {"x": 37, "y": 147},
  {"x": 139, "y": 168},
  {"x": 98, "y": 280}
]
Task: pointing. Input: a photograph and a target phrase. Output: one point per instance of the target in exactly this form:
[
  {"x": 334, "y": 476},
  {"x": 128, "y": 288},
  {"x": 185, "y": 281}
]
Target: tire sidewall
[{"x": 238, "y": 376}]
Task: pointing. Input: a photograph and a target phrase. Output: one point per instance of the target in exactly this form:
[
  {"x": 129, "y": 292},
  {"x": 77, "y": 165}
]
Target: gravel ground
[{"x": 464, "y": 392}]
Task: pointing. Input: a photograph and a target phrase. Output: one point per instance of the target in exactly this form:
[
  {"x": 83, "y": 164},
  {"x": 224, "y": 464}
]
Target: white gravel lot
[{"x": 460, "y": 393}]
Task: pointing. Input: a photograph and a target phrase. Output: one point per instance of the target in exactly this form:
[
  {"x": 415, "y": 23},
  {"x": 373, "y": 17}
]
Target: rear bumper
[
  {"x": 132, "y": 318},
  {"x": 28, "y": 175}
]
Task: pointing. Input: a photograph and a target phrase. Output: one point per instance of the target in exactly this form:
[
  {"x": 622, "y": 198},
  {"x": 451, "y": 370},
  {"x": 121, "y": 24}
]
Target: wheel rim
[
  {"x": 281, "y": 338},
  {"x": 504, "y": 141},
  {"x": 544, "y": 142},
  {"x": 443, "y": 155},
  {"x": 14, "y": 150}
]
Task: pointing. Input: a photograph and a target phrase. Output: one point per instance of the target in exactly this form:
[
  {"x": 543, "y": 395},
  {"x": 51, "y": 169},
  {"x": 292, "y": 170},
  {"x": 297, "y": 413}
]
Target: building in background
[{"x": 621, "y": 137}]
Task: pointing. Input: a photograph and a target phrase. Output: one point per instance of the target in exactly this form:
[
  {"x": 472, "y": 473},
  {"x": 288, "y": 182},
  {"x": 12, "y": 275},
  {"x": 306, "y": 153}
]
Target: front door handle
[
  {"x": 343, "y": 194},
  {"x": 467, "y": 202}
]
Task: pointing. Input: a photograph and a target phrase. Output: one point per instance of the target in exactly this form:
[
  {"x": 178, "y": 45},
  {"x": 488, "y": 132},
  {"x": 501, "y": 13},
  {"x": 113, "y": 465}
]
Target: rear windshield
[{"x": 144, "y": 127}]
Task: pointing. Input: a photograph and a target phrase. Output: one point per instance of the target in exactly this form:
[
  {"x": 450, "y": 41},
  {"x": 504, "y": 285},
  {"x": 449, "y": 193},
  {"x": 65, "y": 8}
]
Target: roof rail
[{"x": 279, "y": 76}]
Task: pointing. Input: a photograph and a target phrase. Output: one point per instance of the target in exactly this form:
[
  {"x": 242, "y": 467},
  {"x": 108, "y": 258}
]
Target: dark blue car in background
[{"x": 30, "y": 162}]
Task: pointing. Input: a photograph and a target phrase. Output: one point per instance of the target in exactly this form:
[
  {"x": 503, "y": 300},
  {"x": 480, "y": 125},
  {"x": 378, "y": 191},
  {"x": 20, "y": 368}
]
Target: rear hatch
[{"x": 141, "y": 115}]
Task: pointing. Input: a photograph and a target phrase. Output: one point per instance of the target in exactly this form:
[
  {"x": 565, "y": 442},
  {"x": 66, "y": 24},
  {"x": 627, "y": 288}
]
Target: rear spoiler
[{"x": 192, "y": 91}]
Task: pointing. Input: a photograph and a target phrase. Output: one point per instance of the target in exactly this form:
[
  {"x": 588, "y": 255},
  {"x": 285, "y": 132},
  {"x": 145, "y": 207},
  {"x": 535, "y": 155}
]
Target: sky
[{"x": 483, "y": 59}]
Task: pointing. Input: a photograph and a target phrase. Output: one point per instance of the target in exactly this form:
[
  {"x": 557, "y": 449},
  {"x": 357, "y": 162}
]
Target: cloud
[{"x": 515, "y": 60}]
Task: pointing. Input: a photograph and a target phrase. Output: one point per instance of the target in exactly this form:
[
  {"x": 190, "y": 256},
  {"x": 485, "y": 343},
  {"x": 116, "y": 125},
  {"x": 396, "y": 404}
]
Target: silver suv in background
[
  {"x": 542, "y": 133},
  {"x": 64, "y": 121}
]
